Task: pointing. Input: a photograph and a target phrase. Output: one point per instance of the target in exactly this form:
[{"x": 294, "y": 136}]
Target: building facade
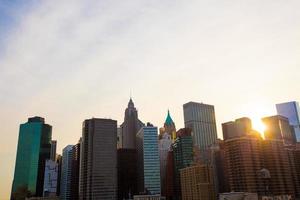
[
  {"x": 34, "y": 146},
  {"x": 130, "y": 126},
  {"x": 74, "y": 194},
  {"x": 291, "y": 111},
  {"x": 50, "y": 178},
  {"x": 148, "y": 166},
  {"x": 66, "y": 173},
  {"x": 197, "y": 183},
  {"x": 183, "y": 156},
  {"x": 201, "y": 119},
  {"x": 98, "y": 160},
  {"x": 127, "y": 173}
]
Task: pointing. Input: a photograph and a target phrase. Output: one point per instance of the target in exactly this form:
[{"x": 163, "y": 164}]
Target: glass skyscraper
[
  {"x": 148, "y": 160},
  {"x": 34, "y": 146},
  {"x": 201, "y": 119},
  {"x": 66, "y": 173},
  {"x": 291, "y": 111}
]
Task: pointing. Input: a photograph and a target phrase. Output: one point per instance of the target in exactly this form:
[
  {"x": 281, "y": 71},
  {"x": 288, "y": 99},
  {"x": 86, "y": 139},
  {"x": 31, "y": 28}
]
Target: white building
[{"x": 50, "y": 178}]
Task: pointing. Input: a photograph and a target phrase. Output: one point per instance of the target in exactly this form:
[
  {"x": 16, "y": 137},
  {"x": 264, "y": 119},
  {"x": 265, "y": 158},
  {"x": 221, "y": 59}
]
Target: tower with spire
[
  {"x": 169, "y": 127},
  {"x": 130, "y": 126}
]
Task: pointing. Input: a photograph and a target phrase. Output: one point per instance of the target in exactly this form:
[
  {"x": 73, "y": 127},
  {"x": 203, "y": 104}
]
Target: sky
[{"x": 72, "y": 60}]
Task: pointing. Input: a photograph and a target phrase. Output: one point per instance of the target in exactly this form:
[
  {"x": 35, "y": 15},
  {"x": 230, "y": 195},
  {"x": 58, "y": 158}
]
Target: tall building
[
  {"x": 50, "y": 178},
  {"x": 167, "y": 135},
  {"x": 243, "y": 157},
  {"x": 197, "y": 182},
  {"x": 148, "y": 160},
  {"x": 240, "y": 127},
  {"x": 75, "y": 171},
  {"x": 127, "y": 173},
  {"x": 277, "y": 127},
  {"x": 201, "y": 119},
  {"x": 183, "y": 156},
  {"x": 98, "y": 160},
  {"x": 291, "y": 111},
  {"x": 66, "y": 173},
  {"x": 130, "y": 126},
  {"x": 34, "y": 146},
  {"x": 59, "y": 163},
  {"x": 53, "y": 150}
]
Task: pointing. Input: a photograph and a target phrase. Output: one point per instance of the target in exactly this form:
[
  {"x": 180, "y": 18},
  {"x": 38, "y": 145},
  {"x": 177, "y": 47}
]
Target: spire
[
  {"x": 130, "y": 103},
  {"x": 169, "y": 120}
]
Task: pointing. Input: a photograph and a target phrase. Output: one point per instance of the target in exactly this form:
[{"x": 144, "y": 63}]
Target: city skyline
[{"x": 68, "y": 62}]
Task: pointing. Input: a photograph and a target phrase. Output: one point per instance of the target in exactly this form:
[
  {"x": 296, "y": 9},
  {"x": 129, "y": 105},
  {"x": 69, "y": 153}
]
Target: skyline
[{"x": 68, "y": 62}]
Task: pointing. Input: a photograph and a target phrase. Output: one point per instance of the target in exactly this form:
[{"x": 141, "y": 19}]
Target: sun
[{"x": 258, "y": 125}]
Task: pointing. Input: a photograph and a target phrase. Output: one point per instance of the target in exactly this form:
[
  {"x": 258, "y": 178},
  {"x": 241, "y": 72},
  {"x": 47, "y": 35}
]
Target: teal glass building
[
  {"x": 34, "y": 147},
  {"x": 148, "y": 167}
]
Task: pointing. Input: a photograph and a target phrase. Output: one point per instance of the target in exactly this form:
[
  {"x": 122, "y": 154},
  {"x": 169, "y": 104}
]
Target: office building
[
  {"x": 59, "y": 163},
  {"x": 50, "y": 178},
  {"x": 53, "y": 150},
  {"x": 278, "y": 128},
  {"x": 127, "y": 173},
  {"x": 291, "y": 111},
  {"x": 197, "y": 182},
  {"x": 169, "y": 188},
  {"x": 183, "y": 156},
  {"x": 74, "y": 194},
  {"x": 240, "y": 127},
  {"x": 98, "y": 160},
  {"x": 34, "y": 146},
  {"x": 66, "y": 173},
  {"x": 130, "y": 126},
  {"x": 148, "y": 160},
  {"x": 243, "y": 157},
  {"x": 201, "y": 119}
]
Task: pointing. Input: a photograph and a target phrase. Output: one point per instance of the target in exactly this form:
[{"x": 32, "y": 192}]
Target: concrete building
[
  {"x": 50, "y": 178},
  {"x": 291, "y": 111},
  {"x": 75, "y": 171},
  {"x": 238, "y": 196},
  {"x": 130, "y": 126},
  {"x": 197, "y": 183},
  {"x": 98, "y": 160},
  {"x": 53, "y": 150},
  {"x": 278, "y": 128},
  {"x": 66, "y": 173},
  {"x": 148, "y": 160},
  {"x": 243, "y": 157},
  {"x": 201, "y": 119},
  {"x": 240, "y": 127},
  {"x": 183, "y": 156},
  {"x": 34, "y": 146}
]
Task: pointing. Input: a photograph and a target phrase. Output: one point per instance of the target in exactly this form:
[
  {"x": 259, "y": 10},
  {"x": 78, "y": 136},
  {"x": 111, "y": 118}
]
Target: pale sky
[{"x": 70, "y": 60}]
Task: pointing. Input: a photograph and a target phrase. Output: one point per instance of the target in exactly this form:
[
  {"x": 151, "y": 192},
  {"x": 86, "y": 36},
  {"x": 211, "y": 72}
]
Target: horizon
[{"x": 68, "y": 62}]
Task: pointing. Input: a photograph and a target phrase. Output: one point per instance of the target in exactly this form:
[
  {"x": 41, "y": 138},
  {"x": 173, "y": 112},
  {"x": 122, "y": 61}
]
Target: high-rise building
[
  {"x": 127, "y": 173},
  {"x": 75, "y": 171},
  {"x": 291, "y": 111},
  {"x": 148, "y": 160},
  {"x": 34, "y": 148},
  {"x": 169, "y": 188},
  {"x": 50, "y": 178},
  {"x": 66, "y": 173},
  {"x": 59, "y": 163},
  {"x": 183, "y": 156},
  {"x": 278, "y": 128},
  {"x": 197, "y": 182},
  {"x": 201, "y": 119},
  {"x": 98, "y": 160},
  {"x": 167, "y": 135},
  {"x": 130, "y": 126},
  {"x": 53, "y": 150},
  {"x": 240, "y": 127},
  {"x": 243, "y": 157}
]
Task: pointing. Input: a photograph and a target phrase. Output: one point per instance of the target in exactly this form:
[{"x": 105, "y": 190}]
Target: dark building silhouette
[
  {"x": 98, "y": 160},
  {"x": 130, "y": 126},
  {"x": 240, "y": 127},
  {"x": 127, "y": 173},
  {"x": 34, "y": 147},
  {"x": 75, "y": 171}
]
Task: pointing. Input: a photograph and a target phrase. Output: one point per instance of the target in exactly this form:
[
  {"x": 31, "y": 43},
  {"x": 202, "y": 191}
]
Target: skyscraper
[
  {"x": 53, "y": 150},
  {"x": 291, "y": 111},
  {"x": 75, "y": 171},
  {"x": 66, "y": 173},
  {"x": 34, "y": 148},
  {"x": 148, "y": 160},
  {"x": 243, "y": 155},
  {"x": 183, "y": 156},
  {"x": 50, "y": 178},
  {"x": 130, "y": 126},
  {"x": 201, "y": 119},
  {"x": 277, "y": 127},
  {"x": 240, "y": 127},
  {"x": 98, "y": 161}
]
